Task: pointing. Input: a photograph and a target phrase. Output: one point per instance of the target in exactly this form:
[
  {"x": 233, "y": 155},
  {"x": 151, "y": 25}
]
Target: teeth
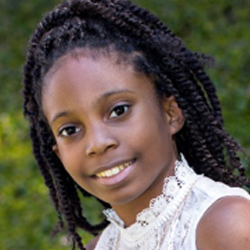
[{"x": 114, "y": 171}]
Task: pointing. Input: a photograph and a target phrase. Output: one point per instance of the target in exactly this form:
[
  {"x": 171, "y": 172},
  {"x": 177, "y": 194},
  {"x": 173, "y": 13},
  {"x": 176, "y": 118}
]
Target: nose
[{"x": 99, "y": 140}]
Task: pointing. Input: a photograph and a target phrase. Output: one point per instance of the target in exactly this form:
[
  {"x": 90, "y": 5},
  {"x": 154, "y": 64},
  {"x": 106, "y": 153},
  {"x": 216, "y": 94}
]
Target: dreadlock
[{"x": 135, "y": 33}]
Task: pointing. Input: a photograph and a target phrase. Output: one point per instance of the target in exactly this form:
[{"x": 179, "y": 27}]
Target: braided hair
[{"x": 140, "y": 37}]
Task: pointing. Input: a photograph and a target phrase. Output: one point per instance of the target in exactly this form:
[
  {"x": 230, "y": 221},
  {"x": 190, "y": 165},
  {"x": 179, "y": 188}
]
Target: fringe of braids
[{"x": 135, "y": 33}]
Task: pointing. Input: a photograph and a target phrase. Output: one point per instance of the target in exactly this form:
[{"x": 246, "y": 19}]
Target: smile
[{"x": 113, "y": 171}]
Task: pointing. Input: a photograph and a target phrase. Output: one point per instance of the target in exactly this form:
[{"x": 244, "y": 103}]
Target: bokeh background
[{"x": 217, "y": 28}]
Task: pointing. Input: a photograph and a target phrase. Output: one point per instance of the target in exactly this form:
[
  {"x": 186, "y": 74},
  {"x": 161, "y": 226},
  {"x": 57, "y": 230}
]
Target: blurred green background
[{"x": 217, "y": 28}]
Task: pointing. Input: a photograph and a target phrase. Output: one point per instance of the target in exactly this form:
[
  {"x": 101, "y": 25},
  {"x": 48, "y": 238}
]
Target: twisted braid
[
  {"x": 65, "y": 198},
  {"x": 141, "y": 38}
]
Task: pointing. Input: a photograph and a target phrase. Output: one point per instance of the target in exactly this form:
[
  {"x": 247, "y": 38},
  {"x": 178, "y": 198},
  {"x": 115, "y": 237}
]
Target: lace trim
[
  {"x": 161, "y": 210},
  {"x": 171, "y": 187}
]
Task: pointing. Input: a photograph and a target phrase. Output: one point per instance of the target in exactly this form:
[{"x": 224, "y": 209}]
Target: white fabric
[{"x": 171, "y": 220}]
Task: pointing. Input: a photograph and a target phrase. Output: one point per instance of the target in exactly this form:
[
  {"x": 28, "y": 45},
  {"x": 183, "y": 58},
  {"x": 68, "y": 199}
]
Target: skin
[
  {"x": 104, "y": 114},
  {"x": 225, "y": 225},
  {"x": 92, "y": 244}
]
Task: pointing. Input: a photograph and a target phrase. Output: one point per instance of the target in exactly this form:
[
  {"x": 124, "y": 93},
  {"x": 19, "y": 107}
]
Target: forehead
[
  {"x": 86, "y": 67},
  {"x": 109, "y": 53},
  {"x": 85, "y": 78}
]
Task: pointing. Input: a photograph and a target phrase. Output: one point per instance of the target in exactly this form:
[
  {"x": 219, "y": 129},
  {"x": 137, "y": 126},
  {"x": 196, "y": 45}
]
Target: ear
[
  {"x": 174, "y": 114},
  {"x": 56, "y": 150}
]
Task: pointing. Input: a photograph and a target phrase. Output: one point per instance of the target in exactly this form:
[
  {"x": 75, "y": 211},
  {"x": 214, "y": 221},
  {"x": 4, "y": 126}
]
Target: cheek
[
  {"x": 150, "y": 133},
  {"x": 70, "y": 159},
  {"x": 157, "y": 138},
  {"x": 152, "y": 125},
  {"x": 74, "y": 165}
]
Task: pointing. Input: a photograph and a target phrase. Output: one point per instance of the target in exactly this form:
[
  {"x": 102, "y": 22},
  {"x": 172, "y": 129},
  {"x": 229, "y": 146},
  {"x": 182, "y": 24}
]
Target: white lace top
[{"x": 170, "y": 221}]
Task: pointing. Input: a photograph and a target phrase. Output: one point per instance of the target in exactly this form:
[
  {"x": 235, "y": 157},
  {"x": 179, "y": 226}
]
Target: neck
[{"x": 128, "y": 211}]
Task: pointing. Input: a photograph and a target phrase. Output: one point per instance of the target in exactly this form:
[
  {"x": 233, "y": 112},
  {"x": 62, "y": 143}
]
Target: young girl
[{"x": 120, "y": 110}]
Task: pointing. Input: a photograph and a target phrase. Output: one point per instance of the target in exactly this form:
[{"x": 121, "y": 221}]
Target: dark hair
[{"x": 138, "y": 36}]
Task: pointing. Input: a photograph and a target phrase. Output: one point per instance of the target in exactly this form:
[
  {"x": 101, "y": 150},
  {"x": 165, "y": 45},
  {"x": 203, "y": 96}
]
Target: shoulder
[
  {"x": 92, "y": 244},
  {"x": 225, "y": 225}
]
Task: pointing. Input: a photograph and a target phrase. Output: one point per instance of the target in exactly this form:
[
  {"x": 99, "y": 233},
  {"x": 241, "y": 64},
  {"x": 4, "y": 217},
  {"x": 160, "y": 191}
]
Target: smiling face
[{"x": 112, "y": 134}]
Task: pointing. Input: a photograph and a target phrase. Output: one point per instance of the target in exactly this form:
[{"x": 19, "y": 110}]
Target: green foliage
[{"x": 217, "y": 28}]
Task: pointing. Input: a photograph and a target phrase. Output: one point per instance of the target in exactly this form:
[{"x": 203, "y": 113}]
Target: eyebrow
[
  {"x": 104, "y": 96},
  {"x": 59, "y": 115},
  {"x": 115, "y": 92}
]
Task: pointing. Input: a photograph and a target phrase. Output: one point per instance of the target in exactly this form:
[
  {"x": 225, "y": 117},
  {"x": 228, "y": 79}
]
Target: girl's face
[{"x": 112, "y": 134}]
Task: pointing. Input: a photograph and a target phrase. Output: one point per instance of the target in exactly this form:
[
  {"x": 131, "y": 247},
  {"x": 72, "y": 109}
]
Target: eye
[
  {"x": 119, "y": 110},
  {"x": 68, "y": 131}
]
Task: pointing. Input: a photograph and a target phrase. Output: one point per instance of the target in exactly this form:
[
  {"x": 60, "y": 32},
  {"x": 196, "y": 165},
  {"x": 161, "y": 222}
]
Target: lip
[
  {"x": 117, "y": 177},
  {"x": 111, "y": 165}
]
